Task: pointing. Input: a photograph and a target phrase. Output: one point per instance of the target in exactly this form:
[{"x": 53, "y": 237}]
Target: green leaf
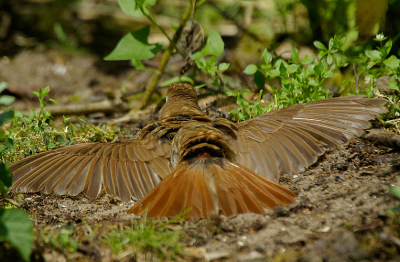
[
  {"x": 5, "y": 178},
  {"x": 9, "y": 143},
  {"x": 3, "y": 86},
  {"x": 329, "y": 59},
  {"x": 214, "y": 46},
  {"x": 393, "y": 85},
  {"x": 328, "y": 74},
  {"x": 203, "y": 85},
  {"x": 177, "y": 79},
  {"x": 395, "y": 190},
  {"x": 223, "y": 66},
  {"x": 374, "y": 54},
  {"x": 392, "y": 62},
  {"x": 322, "y": 54},
  {"x": 319, "y": 45},
  {"x": 282, "y": 70},
  {"x": 266, "y": 56},
  {"x": 388, "y": 46},
  {"x": 250, "y": 69},
  {"x": 370, "y": 65},
  {"x": 246, "y": 92},
  {"x": 295, "y": 55},
  {"x": 259, "y": 80},
  {"x": 6, "y": 116},
  {"x": 307, "y": 60},
  {"x": 52, "y": 100},
  {"x": 131, "y": 7},
  {"x": 273, "y": 73},
  {"x": 134, "y": 45},
  {"x": 6, "y": 100},
  {"x": 35, "y": 93},
  {"x": 292, "y": 68},
  {"x": 62, "y": 37},
  {"x": 318, "y": 68},
  {"x": 59, "y": 138},
  {"x": 16, "y": 228}
]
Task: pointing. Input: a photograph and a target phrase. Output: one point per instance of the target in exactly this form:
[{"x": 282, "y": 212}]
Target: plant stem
[
  {"x": 154, "y": 21},
  {"x": 164, "y": 60}
]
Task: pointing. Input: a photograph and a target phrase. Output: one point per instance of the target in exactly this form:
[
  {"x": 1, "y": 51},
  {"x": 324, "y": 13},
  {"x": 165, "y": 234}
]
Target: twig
[
  {"x": 357, "y": 77},
  {"x": 167, "y": 54},
  {"x": 105, "y": 106}
]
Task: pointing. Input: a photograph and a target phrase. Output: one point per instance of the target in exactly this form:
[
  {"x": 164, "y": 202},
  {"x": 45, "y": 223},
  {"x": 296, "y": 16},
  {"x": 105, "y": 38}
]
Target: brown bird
[{"x": 188, "y": 160}]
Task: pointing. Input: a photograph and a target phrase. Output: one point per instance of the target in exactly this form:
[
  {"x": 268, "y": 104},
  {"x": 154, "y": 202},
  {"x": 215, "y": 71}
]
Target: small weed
[{"x": 146, "y": 236}]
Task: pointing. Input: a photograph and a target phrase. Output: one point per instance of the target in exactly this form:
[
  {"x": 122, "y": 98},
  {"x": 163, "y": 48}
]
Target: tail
[{"x": 204, "y": 185}]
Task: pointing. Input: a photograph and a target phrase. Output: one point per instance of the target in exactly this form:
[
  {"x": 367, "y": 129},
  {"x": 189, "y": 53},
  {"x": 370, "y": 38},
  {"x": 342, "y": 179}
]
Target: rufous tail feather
[{"x": 204, "y": 185}]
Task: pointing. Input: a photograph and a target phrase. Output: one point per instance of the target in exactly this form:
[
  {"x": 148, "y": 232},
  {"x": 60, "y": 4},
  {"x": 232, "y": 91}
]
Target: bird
[{"x": 188, "y": 161}]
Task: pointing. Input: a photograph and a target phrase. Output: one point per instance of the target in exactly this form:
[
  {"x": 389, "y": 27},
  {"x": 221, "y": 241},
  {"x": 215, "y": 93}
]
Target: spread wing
[
  {"x": 127, "y": 169},
  {"x": 291, "y": 139}
]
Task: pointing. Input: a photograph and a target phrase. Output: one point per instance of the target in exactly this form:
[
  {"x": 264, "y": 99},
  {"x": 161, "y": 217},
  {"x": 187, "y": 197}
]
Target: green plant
[
  {"x": 301, "y": 81},
  {"x": 29, "y": 134},
  {"x": 146, "y": 236},
  {"x": 5, "y": 100},
  {"x": 377, "y": 63},
  {"x": 15, "y": 224},
  {"x": 61, "y": 238}
]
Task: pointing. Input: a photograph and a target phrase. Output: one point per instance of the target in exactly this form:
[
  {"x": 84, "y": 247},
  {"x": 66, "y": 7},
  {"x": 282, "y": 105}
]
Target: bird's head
[{"x": 180, "y": 100}]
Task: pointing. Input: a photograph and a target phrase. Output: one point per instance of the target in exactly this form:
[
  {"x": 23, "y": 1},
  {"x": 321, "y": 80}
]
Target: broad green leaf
[
  {"x": 292, "y": 68},
  {"x": 393, "y": 85},
  {"x": 5, "y": 178},
  {"x": 177, "y": 79},
  {"x": 134, "y": 46},
  {"x": 16, "y": 228},
  {"x": 259, "y": 80},
  {"x": 307, "y": 60},
  {"x": 6, "y": 116},
  {"x": 328, "y": 74},
  {"x": 223, "y": 66},
  {"x": 273, "y": 73},
  {"x": 295, "y": 55},
  {"x": 374, "y": 54},
  {"x": 392, "y": 62},
  {"x": 3, "y": 86},
  {"x": 131, "y": 7},
  {"x": 266, "y": 56},
  {"x": 250, "y": 69},
  {"x": 214, "y": 46},
  {"x": 319, "y": 45}
]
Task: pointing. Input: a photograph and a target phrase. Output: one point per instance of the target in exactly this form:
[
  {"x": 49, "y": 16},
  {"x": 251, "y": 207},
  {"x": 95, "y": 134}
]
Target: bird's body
[{"x": 186, "y": 160}]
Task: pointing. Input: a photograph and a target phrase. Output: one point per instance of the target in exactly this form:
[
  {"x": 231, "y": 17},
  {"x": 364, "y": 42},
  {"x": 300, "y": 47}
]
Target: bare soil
[{"x": 341, "y": 212}]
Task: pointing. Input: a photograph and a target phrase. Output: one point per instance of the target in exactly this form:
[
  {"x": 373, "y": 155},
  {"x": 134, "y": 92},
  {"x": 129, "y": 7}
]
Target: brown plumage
[{"x": 188, "y": 160}]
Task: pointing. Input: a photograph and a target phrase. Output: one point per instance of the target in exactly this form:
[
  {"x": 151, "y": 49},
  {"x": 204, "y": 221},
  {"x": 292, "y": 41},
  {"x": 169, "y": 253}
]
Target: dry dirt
[{"x": 341, "y": 213}]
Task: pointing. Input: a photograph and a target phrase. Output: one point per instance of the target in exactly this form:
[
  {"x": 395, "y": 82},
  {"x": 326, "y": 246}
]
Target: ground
[{"x": 342, "y": 212}]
